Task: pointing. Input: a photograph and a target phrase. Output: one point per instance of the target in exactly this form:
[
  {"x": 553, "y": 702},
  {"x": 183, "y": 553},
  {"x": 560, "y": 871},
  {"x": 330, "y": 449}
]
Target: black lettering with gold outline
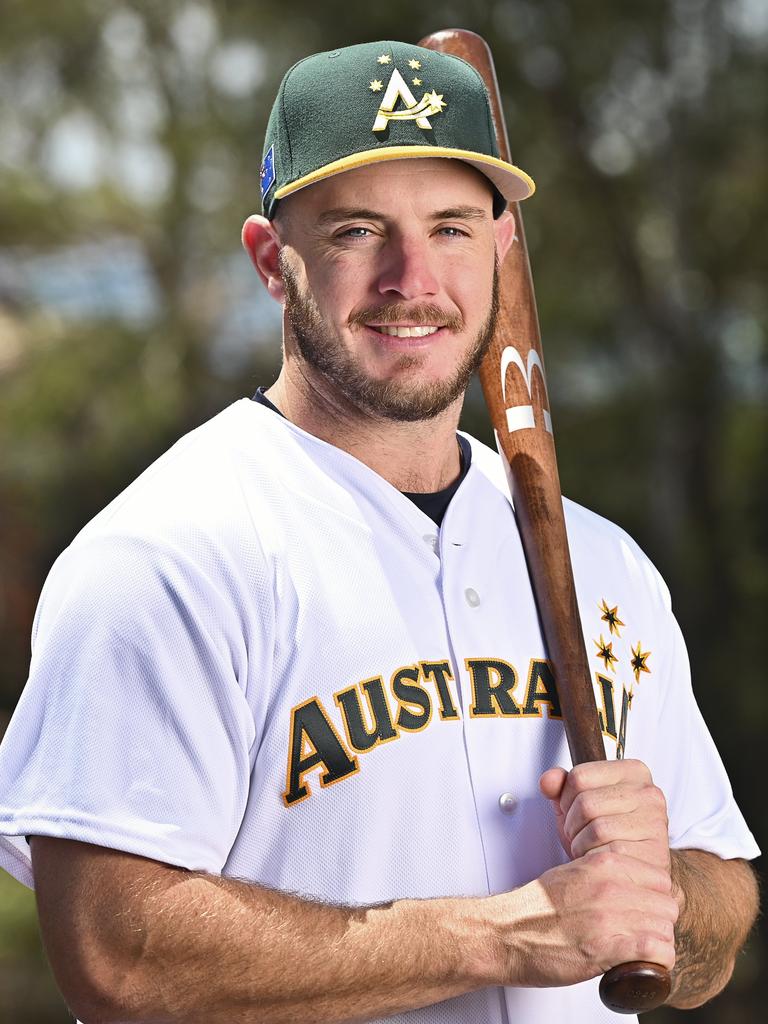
[
  {"x": 410, "y": 695},
  {"x": 607, "y": 715},
  {"x": 541, "y": 689},
  {"x": 492, "y": 699},
  {"x": 363, "y": 736},
  {"x": 314, "y": 741},
  {"x": 440, "y": 671}
]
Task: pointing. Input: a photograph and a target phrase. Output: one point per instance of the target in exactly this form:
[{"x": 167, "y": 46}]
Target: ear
[
  {"x": 262, "y": 243},
  {"x": 504, "y": 231}
]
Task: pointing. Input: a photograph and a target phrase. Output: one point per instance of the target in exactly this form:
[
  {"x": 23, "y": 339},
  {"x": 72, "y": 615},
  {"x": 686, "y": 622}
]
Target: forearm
[
  {"x": 187, "y": 948},
  {"x": 718, "y": 904},
  {"x": 279, "y": 959},
  {"x": 133, "y": 940}
]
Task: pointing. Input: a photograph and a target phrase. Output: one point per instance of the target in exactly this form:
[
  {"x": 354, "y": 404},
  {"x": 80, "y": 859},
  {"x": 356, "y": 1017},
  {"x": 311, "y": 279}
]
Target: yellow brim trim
[{"x": 513, "y": 183}]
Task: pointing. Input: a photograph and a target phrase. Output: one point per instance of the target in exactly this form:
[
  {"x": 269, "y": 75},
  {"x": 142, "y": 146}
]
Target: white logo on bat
[{"x": 520, "y": 417}]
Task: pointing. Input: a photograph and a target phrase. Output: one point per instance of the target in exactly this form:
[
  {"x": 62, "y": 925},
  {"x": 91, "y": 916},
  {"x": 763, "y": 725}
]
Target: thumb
[{"x": 551, "y": 783}]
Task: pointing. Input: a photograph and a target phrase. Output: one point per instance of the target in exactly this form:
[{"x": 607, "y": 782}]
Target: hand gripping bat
[{"x": 512, "y": 376}]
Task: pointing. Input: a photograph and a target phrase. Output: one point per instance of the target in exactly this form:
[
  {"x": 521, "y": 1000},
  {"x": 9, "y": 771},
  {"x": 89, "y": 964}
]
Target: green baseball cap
[{"x": 363, "y": 104}]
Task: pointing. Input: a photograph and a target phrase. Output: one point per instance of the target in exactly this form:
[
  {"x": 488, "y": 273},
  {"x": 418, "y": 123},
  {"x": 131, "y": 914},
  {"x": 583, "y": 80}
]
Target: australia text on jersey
[{"x": 315, "y": 742}]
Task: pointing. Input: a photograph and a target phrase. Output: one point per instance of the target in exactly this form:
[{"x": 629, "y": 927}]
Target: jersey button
[
  {"x": 507, "y": 803},
  {"x": 431, "y": 539},
  {"x": 472, "y": 597}
]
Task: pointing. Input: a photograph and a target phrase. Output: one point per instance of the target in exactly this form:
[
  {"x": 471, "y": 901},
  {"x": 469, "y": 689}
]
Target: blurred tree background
[{"x": 130, "y": 145}]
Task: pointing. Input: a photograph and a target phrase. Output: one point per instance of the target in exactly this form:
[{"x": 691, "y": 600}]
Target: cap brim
[{"x": 511, "y": 182}]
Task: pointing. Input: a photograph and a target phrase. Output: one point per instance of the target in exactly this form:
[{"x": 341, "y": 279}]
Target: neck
[{"x": 416, "y": 457}]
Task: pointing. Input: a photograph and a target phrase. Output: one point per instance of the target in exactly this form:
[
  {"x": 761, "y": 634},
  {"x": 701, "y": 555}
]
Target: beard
[{"x": 401, "y": 400}]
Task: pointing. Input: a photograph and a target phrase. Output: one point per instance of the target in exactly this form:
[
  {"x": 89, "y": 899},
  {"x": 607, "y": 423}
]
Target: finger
[
  {"x": 631, "y": 828},
  {"x": 551, "y": 783},
  {"x": 619, "y": 868},
  {"x": 647, "y": 855},
  {"x": 645, "y": 938},
  {"x": 603, "y": 816},
  {"x": 597, "y": 803},
  {"x": 594, "y": 775},
  {"x": 645, "y": 850}
]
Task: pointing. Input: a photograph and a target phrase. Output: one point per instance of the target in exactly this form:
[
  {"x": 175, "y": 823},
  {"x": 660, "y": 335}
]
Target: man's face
[{"x": 390, "y": 284}]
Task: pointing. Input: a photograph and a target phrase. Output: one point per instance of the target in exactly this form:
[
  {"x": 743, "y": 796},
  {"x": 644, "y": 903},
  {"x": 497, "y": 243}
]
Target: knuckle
[
  {"x": 648, "y": 947},
  {"x": 577, "y": 779},
  {"x": 665, "y": 910},
  {"x": 657, "y": 799},
  {"x": 639, "y": 768},
  {"x": 584, "y": 804},
  {"x": 601, "y": 830},
  {"x": 662, "y": 884},
  {"x": 665, "y": 886},
  {"x": 606, "y": 890},
  {"x": 604, "y": 860},
  {"x": 674, "y": 910},
  {"x": 622, "y": 848}
]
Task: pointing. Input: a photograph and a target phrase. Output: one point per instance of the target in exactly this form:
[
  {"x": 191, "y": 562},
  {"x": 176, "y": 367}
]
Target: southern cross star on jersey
[
  {"x": 611, "y": 616},
  {"x": 605, "y": 651},
  {"x": 639, "y": 659}
]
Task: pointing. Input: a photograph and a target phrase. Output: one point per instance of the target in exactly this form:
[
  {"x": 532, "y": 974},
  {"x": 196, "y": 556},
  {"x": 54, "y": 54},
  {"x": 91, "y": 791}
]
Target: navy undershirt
[{"x": 435, "y": 503}]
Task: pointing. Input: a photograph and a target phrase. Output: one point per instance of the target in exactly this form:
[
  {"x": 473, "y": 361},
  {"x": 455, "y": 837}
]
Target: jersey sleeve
[
  {"x": 702, "y": 812},
  {"x": 134, "y": 730}
]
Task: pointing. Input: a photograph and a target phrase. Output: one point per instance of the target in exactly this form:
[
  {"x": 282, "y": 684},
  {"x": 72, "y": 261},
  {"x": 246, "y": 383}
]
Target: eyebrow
[
  {"x": 461, "y": 213},
  {"x": 361, "y": 213}
]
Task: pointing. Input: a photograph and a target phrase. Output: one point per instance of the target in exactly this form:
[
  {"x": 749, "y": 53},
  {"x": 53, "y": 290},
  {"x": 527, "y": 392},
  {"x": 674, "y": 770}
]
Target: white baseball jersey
[{"x": 263, "y": 660}]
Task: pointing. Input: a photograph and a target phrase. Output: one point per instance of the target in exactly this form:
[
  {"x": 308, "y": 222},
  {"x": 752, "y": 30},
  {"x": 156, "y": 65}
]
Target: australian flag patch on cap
[{"x": 267, "y": 173}]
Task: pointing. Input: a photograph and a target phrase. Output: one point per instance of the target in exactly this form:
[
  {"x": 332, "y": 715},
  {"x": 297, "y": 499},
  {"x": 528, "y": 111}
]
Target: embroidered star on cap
[{"x": 435, "y": 101}]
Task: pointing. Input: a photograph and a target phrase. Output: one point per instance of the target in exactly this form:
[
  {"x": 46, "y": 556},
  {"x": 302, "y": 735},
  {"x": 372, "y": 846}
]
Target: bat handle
[{"x": 635, "y": 987}]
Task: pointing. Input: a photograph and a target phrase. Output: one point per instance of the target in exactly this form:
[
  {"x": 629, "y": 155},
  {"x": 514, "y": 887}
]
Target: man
[{"x": 289, "y": 746}]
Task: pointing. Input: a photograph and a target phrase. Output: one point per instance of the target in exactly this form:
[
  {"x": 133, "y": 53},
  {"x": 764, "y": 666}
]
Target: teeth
[{"x": 407, "y": 332}]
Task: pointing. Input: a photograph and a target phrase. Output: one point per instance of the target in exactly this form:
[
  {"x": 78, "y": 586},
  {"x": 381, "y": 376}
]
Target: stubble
[{"x": 395, "y": 399}]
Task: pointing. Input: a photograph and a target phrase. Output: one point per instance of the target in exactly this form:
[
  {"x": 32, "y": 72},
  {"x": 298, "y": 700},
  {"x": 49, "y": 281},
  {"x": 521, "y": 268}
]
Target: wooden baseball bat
[{"x": 519, "y": 409}]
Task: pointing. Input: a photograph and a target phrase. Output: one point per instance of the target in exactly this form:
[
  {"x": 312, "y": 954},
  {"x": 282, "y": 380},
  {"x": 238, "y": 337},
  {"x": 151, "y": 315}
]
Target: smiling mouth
[{"x": 403, "y": 332}]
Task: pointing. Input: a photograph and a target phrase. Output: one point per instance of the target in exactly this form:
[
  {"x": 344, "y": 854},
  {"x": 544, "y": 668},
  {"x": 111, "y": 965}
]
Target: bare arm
[
  {"x": 718, "y": 905},
  {"x": 130, "y": 940}
]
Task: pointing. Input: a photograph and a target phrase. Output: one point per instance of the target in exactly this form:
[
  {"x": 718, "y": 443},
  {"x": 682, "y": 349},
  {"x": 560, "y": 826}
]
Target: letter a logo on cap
[{"x": 397, "y": 88}]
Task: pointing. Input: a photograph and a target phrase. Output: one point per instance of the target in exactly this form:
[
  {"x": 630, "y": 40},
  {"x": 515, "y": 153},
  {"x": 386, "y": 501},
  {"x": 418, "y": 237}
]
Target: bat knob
[{"x": 635, "y": 987}]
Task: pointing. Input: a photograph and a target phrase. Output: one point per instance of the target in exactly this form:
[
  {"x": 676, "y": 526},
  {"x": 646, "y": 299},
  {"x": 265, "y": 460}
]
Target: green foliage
[
  {"x": 19, "y": 933},
  {"x": 27, "y": 991}
]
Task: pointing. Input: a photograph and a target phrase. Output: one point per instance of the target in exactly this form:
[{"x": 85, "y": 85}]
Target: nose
[{"x": 406, "y": 270}]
